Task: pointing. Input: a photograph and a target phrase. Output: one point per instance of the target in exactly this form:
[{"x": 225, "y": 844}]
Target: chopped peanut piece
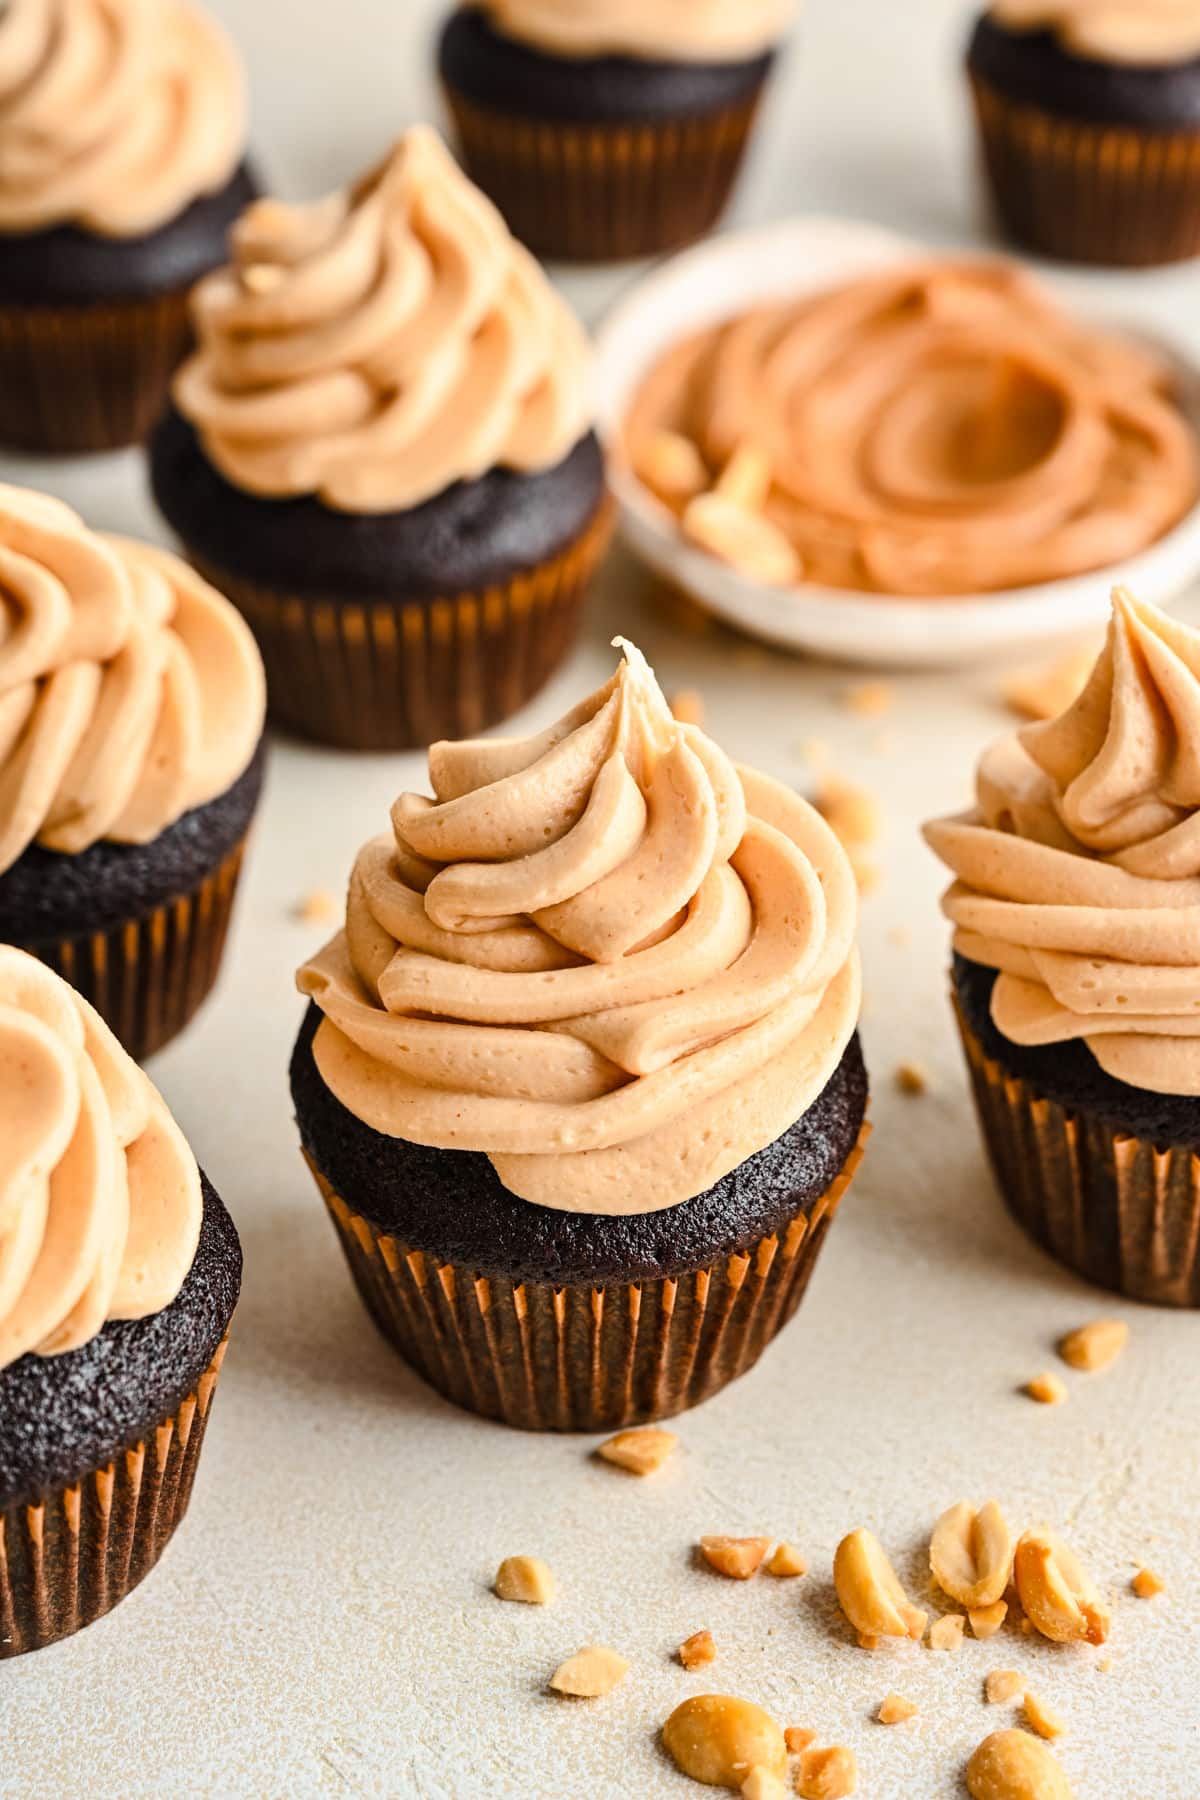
[
  {"x": 797, "y": 1738},
  {"x": 1059, "y": 1597},
  {"x": 971, "y": 1554},
  {"x": 317, "y": 908},
  {"x": 761, "y": 1784},
  {"x": 870, "y": 1593},
  {"x": 851, "y": 812},
  {"x": 1048, "y": 1389},
  {"x": 1011, "y": 1765},
  {"x": 895, "y": 1710},
  {"x": 947, "y": 1633},
  {"x": 698, "y": 1650},
  {"x": 911, "y": 1079},
  {"x": 1003, "y": 1685},
  {"x": 261, "y": 278},
  {"x": 639, "y": 1452},
  {"x": 524, "y": 1578},
  {"x": 746, "y": 478},
  {"x": 671, "y": 466},
  {"x": 1146, "y": 1584},
  {"x": 1042, "y": 1718},
  {"x": 827, "y": 1774},
  {"x": 869, "y": 699},
  {"x": 1044, "y": 693},
  {"x": 744, "y": 539},
  {"x": 721, "y": 1741},
  {"x": 816, "y": 752},
  {"x": 687, "y": 707},
  {"x": 987, "y": 1620},
  {"x": 1095, "y": 1346},
  {"x": 738, "y": 1558},
  {"x": 590, "y": 1673},
  {"x": 787, "y": 1562}
]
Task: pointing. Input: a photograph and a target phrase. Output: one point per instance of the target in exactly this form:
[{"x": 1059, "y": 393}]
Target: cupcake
[
  {"x": 131, "y": 714},
  {"x": 1089, "y": 112},
  {"x": 609, "y": 128},
  {"x": 1077, "y": 964},
  {"x": 119, "y": 1273},
  {"x": 382, "y": 450},
  {"x": 122, "y": 131},
  {"x": 580, "y": 1082}
]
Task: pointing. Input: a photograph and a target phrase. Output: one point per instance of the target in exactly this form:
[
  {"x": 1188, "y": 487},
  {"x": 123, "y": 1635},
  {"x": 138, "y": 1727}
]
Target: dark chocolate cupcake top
[
  {"x": 717, "y": 31},
  {"x": 115, "y": 115},
  {"x": 1137, "y": 33},
  {"x": 131, "y": 692},
  {"x": 1077, "y": 874},
  {"x": 604, "y": 955},
  {"x": 377, "y": 347},
  {"x": 100, "y": 1199}
]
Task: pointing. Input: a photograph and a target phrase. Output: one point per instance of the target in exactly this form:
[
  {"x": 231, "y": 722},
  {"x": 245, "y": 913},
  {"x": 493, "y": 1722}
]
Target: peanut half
[
  {"x": 638, "y": 1452},
  {"x": 870, "y": 1594},
  {"x": 1011, "y": 1765},
  {"x": 590, "y": 1673},
  {"x": 720, "y": 1740},
  {"x": 1059, "y": 1597},
  {"x": 971, "y": 1554}
]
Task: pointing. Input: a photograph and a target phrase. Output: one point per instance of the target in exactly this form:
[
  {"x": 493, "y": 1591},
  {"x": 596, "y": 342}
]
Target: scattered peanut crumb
[
  {"x": 912, "y": 1079},
  {"x": 639, "y": 1452},
  {"x": 1048, "y": 1389},
  {"x": 743, "y": 538},
  {"x": 852, "y": 812},
  {"x": 827, "y": 1774},
  {"x": 798, "y": 1738},
  {"x": 590, "y": 1673},
  {"x": 738, "y": 1558},
  {"x": 524, "y": 1578},
  {"x": 1105, "y": 1664},
  {"x": 763, "y": 1784},
  {"x": 787, "y": 1562},
  {"x": 895, "y": 1709},
  {"x": 1003, "y": 1685},
  {"x": 1043, "y": 1719},
  {"x": 947, "y": 1632},
  {"x": 319, "y": 907},
  {"x": 671, "y": 466},
  {"x": 687, "y": 707},
  {"x": 987, "y": 1620},
  {"x": 1096, "y": 1345},
  {"x": 1146, "y": 1584},
  {"x": 1044, "y": 693},
  {"x": 698, "y": 1651},
  {"x": 868, "y": 699}
]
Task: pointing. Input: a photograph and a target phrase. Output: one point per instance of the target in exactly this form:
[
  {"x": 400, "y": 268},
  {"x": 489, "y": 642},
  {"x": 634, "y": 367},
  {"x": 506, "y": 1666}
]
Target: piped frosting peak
[
  {"x": 1138, "y": 32},
  {"x": 670, "y": 30}
]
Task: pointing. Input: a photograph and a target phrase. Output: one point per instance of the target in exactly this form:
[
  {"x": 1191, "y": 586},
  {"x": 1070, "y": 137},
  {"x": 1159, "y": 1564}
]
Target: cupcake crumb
[
  {"x": 947, "y": 1632},
  {"x": 1003, "y": 1685},
  {"x": 1146, "y": 1584},
  {"x": 736, "y": 1558},
  {"x": 1048, "y": 1389},
  {"x": 526, "y": 1579},
  {"x": 895, "y": 1709},
  {"x": 687, "y": 707},
  {"x": 1094, "y": 1346},
  {"x": 787, "y": 1562},
  {"x": 911, "y": 1079},
  {"x": 868, "y": 699},
  {"x": 639, "y": 1452},
  {"x": 317, "y": 907},
  {"x": 1043, "y": 1718},
  {"x": 589, "y": 1674},
  {"x": 698, "y": 1651}
]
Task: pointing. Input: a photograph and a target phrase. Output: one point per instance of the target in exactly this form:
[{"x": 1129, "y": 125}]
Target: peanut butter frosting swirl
[
  {"x": 1137, "y": 32},
  {"x": 130, "y": 690},
  {"x": 666, "y": 30},
  {"x": 1077, "y": 875},
  {"x": 940, "y": 429},
  {"x": 115, "y": 115},
  {"x": 604, "y": 955},
  {"x": 378, "y": 346},
  {"x": 100, "y": 1201}
]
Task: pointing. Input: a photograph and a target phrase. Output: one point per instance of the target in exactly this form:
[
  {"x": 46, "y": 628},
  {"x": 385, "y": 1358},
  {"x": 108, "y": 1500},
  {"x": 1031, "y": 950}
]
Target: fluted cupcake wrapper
[
  {"x": 75, "y": 379},
  {"x": 584, "y": 1358},
  {"x": 146, "y": 977},
  {"x": 397, "y": 674},
  {"x": 1091, "y": 193},
  {"x": 1116, "y": 1209},
  {"x": 605, "y": 191},
  {"x": 68, "y": 1559}
]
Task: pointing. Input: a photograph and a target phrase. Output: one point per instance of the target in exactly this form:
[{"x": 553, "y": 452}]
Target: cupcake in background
[
  {"x": 1076, "y": 906},
  {"x": 119, "y": 1273},
  {"x": 606, "y": 129},
  {"x": 580, "y": 1082},
  {"x": 383, "y": 451},
  {"x": 131, "y": 712},
  {"x": 122, "y": 133},
  {"x": 1089, "y": 113}
]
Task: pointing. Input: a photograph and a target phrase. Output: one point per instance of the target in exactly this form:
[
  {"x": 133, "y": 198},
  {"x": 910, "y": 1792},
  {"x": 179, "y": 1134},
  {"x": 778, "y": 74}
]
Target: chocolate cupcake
[
  {"x": 1077, "y": 965},
  {"x": 1089, "y": 112},
  {"x": 580, "y": 1084},
  {"x": 122, "y": 131},
  {"x": 119, "y": 1274},
  {"x": 382, "y": 451},
  {"x": 131, "y": 712},
  {"x": 606, "y": 129}
]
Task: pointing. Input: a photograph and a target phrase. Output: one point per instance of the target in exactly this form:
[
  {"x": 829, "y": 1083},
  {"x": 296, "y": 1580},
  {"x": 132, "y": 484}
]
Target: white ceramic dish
[{"x": 729, "y": 273}]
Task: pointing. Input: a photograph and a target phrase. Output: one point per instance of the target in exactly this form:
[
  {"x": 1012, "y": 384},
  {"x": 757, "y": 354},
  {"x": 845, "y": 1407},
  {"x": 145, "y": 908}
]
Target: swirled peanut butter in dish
[
  {"x": 657, "y": 30},
  {"x": 938, "y": 429},
  {"x": 130, "y": 691},
  {"x": 605, "y": 956},
  {"x": 115, "y": 115},
  {"x": 1143, "y": 33},
  {"x": 100, "y": 1200},
  {"x": 1077, "y": 873}
]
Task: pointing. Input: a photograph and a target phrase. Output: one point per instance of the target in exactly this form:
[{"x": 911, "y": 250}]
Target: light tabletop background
[{"x": 322, "y": 1624}]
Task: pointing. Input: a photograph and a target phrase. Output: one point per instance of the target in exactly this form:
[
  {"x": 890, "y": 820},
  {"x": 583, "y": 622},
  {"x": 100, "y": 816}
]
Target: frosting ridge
[
  {"x": 1138, "y": 32},
  {"x": 667, "y": 30},
  {"x": 1077, "y": 875},
  {"x": 100, "y": 1201},
  {"x": 130, "y": 690},
  {"x": 382, "y": 344},
  {"x": 604, "y": 955},
  {"x": 115, "y": 115}
]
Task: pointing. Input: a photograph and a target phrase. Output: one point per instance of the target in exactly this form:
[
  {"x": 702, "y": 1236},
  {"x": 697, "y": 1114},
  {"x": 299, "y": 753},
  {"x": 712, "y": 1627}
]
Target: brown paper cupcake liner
[
  {"x": 75, "y": 379},
  {"x": 383, "y": 674},
  {"x": 1091, "y": 193},
  {"x": 68, "y": 1559},
  {"x": 603, "y": 191},
  {"x": 1116, "y": 1209},
  {"x": 146, "y": 977},
  {"x": 548, "y": 1358}
]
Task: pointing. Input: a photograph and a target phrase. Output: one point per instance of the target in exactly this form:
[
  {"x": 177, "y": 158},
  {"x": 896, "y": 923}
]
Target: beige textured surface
[{"x": 323, "y": 1624}]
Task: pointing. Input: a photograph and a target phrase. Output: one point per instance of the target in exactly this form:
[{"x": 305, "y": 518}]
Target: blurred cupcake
[
  {"x": 1077, "y": 964},
  {"x": 122, "y": 130},
  {"x": 1089, "y": 112},
  {"x": 119, "y": 1274},
  {"x": 382, "y": 450},
  {"x": 131, "y": 712},
  {"x": 609, "y": 128},
  {"x": 580, "y": 1083}
]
